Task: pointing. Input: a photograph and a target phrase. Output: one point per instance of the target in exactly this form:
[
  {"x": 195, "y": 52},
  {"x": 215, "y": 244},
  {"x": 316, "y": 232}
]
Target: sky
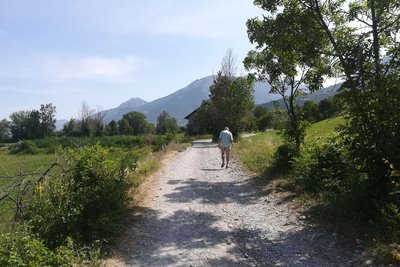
[{"x": 105, "y": 52}]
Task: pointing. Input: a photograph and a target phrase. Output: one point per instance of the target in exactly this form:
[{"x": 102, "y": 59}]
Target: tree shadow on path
[{"x": 189, "y": 237}]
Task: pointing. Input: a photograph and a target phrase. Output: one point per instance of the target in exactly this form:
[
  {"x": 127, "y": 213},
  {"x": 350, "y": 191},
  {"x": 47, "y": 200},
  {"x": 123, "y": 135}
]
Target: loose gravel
[{"x": 196, "y": 213}]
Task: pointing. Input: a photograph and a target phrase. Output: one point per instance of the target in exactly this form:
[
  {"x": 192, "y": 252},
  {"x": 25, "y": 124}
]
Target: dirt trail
[{"x": 198, "y": 214}]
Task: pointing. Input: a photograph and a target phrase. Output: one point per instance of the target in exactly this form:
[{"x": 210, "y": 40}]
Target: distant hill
[
  {"x": 316, "y": 96},
  {"x": 180, "y": 103}
]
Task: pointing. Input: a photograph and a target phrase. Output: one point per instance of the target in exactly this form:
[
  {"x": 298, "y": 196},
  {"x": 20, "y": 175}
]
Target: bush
[
  {"x": 322, "y": 167},
  {"x": 282, "y": 159},
  {"x": 83, "y": 201},
  {"x": 23, "y": 147},
  {"x": 23, "y": 249}
]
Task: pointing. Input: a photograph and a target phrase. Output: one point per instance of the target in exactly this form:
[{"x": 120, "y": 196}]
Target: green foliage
[
  {"x": 23, "y": 147},
  {"x": 310, "y": 111},
  {"x": 166, "y": 124},
  {"x": 295, "y": 131},
  {"x": 33, "y": 124},
  {"x": 230, "y": 102},
  {"x": 20, "y": 249},
  {"x": 373, "y": 132},
  {"x": 264, "y": 118},
  {"x": 83, "y": 201},
  {"x": 4, "y": 130},
  {"x": 286, "y": 59},
  {"x": 282, "y": 159},
  {"x": 135, "y": 123},
  {"x": 322, "y": 167}
]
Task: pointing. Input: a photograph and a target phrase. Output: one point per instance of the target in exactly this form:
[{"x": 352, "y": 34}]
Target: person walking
[{"x": 225, "y": 142}]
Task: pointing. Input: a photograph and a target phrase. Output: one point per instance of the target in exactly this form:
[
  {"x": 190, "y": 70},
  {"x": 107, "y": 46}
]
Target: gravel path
[{"x": 198, "y": 214}]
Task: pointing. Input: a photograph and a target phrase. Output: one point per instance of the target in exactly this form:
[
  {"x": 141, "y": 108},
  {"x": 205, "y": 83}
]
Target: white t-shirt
[{"x": 226, "y": 138}]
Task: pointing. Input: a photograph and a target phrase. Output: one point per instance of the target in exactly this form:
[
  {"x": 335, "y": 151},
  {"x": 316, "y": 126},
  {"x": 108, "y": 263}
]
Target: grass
[
  {"x": 256, "y": 152},
  {"x": 11, "y": 165},
  {"x": 323, "y": 128}
]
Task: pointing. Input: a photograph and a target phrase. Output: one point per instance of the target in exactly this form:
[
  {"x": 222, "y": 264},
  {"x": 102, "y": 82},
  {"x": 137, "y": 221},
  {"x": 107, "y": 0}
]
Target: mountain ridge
[{"x": 182, "y": 102}]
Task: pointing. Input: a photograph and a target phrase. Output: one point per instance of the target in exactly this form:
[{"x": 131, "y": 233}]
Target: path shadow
[
  {"x": 191, "y": 190},
  {"x": 212, "y": 169},
  {"x": 204, "y": 144},
  {"x": 154, "y": 240}
]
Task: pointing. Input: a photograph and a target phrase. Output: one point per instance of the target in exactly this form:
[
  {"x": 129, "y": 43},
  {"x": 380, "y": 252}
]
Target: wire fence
[{"x": 16, "y": 193}]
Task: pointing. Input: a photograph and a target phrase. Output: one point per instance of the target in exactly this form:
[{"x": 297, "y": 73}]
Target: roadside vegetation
[
  {"x": 340, "y": 156},
  {"x": 63, "y": 197},
  {"x": 327, "y": 184}
]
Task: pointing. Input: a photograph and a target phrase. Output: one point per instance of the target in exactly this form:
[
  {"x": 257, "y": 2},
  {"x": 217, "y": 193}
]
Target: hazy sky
[{"x": 108, "y": 51}]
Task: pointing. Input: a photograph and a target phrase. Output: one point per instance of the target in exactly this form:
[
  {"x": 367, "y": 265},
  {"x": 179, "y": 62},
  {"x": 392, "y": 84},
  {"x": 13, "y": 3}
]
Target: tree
[
  {"x": 124, "y": 128},
  {"x": 364, "y": 40},
  {"x": 230, "y": 101},
  {"x": 72, "y": 128},
  {"x": 47, "y": 115},
  {"x": 19, "y": 124},
  {"x": 137, "y": 123},
  {"x": 287, "y": 59},
  {"x": 328, "y": 107},
  {"x": 112, "y": 128},
  {"x": 310, "y": 111},
  {"x": 166, "y": 123},
  {"x": 91, "y": 121},
  {"x": 4, "y": 130},
  {"x": 365, "y": 50}
]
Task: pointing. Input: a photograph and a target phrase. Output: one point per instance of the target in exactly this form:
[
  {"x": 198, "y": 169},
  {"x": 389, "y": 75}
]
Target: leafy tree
[
  {"x": 137, "y": 124},
  {"x": 19, "y": 125},
  {"x": 72, "y": 128},
  {"x": 112, "y": 128},
  {"x": 368, "y": 56},
  {"x": 363, "y": 43},
  {"x": 328, "y": 107},
  {"x": 230, "y": 101},
  {"x": 166, "y": 123},
  {"x": 47, "y": 114},
  {"x": 310, "y": 111},
  {"x": 4, "y": 130},
  {"x": 91, "y": 121},
  {"x": 264, "y": 118},
  {"x": 287, "y": 59},
  {"x": 124, "y": 128}
]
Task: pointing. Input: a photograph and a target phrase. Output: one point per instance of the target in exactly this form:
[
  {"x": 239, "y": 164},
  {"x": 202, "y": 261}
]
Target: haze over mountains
[{"x": 182, "y": 102}]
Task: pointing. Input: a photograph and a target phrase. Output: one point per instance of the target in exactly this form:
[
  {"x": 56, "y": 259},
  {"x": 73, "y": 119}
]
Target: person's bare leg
[
  {"x": 227, "y": 151},
  {"x": 222, "y": 157}
]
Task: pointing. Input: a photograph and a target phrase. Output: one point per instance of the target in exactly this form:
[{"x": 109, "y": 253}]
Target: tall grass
[{"x": 256, "y": 152}]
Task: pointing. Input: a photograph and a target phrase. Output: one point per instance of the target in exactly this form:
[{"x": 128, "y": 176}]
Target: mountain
[
  {"x": 316, "y": 96},
  {"x": 116, "y": 113},
  {"x": 182, "y": 102}
]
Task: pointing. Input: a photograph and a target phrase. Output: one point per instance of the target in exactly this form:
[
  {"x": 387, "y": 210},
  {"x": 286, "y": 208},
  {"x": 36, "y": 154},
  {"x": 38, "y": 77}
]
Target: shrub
[
  {"x": 83, "y": 201},
  {"x": 23, "y": 147},
  {"x": 322, "y": 167},
  {"x": 23, "y": 249},
  {"x": 282, "y": 159}
]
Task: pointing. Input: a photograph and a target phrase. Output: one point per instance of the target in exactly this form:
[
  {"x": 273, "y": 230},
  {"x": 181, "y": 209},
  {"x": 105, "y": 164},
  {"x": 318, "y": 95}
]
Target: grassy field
[
  {"x": 256, "y": 152},
  {"x": 323, "y": 128}
]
